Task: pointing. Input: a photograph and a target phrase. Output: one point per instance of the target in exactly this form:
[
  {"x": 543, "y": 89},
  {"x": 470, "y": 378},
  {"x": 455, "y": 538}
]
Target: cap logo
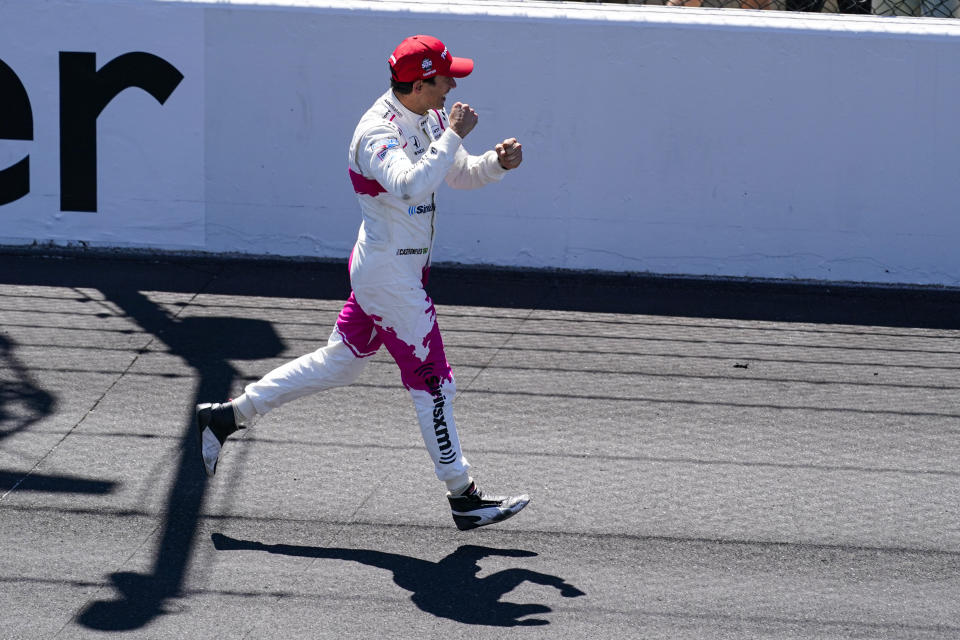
[
  {"x": 427, "y": 64},
  {"x": 443, "y": 56}
]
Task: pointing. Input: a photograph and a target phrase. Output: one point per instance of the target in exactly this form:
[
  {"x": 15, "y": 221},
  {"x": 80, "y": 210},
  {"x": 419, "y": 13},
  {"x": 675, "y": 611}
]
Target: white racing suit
[{"x": 397, "y": 160}]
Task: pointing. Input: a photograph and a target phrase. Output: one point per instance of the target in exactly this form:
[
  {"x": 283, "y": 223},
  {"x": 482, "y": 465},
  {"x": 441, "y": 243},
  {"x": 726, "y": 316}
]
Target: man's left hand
[{"x": 509, "y": 153}]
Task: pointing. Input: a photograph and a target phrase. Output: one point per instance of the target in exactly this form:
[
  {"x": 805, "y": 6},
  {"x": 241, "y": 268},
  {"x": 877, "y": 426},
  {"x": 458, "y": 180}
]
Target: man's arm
[
  {"x": 380, "y": 155},
  {"x": 470, "y": 172}
]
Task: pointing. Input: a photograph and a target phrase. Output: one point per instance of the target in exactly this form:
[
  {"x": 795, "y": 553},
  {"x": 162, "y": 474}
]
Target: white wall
[{"x": 718, "y": 142}]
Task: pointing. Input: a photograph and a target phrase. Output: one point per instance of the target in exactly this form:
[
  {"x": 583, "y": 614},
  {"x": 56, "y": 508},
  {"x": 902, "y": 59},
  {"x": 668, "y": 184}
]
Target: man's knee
[
  {"x": 434, "y": 377},
  {"x": 339, "y": 362}
]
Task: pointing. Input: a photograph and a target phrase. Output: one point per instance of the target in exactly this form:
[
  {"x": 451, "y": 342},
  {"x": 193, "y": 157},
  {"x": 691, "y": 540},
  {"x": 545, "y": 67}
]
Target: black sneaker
[
  {"x": 473, "y": 509},
  {"x": 214, "y": 423}
]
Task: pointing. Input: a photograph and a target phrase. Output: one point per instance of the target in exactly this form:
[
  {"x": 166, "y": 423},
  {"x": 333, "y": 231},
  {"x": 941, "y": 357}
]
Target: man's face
[{"x": 434, "y": 95}]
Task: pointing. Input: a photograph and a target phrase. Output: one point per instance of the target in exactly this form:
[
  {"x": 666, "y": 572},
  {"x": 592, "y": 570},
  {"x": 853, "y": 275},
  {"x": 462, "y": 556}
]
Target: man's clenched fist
[
  {"x": 509, "y": 153},
  {"x": 462, "y": 119}
]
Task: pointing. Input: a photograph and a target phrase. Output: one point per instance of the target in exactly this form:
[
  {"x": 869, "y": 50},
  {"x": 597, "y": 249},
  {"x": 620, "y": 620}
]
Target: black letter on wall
[
  {"x": 84, "y": 93},
  {"x": 16, "y": 123}
]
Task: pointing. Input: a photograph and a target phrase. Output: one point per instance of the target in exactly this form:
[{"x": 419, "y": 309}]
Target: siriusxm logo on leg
[
  {"x": 420, "y": 208},
  {"x": 447, "y": 453}
]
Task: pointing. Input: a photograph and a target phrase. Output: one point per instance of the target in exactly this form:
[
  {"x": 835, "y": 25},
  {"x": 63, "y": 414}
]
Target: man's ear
[{"x": 417, "y": 86}]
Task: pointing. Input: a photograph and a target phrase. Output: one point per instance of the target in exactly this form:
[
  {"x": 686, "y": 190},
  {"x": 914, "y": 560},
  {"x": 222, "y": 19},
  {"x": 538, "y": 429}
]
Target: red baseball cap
[{"x": 422, "y": 57}]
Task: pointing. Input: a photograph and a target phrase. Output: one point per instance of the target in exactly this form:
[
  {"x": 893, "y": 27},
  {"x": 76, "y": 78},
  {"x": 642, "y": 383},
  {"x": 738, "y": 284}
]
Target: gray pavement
[{"x": 706, "y": 459}]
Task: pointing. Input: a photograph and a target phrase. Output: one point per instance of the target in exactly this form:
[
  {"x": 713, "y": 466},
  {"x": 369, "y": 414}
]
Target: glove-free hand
[
  {"x": 462, "y": 119},
  {"x": 509, "y": 153}
]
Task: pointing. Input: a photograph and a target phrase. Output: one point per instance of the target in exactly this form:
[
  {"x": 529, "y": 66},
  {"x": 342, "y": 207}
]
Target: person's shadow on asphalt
[{"x": 449, "y": 588}]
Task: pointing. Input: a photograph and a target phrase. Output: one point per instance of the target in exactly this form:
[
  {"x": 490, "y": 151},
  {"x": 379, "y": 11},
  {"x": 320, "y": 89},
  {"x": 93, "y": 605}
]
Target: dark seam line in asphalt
[
  {"x": 746, "y": 326},
  {"x": 506, "y": 531},
  {"x": 293, "y": 306},
  {"x": 103, "y": 330},
  {"x": 589, "y": 337},
  {"x": 626, "y": 319},
  {"x": 145, "y": 374},
  {"x": 72, "y": 583},
  {"x": 571, "y": 396},
  {"x": 731, "y": 378},
  {"x": 92, "y": 315},
  {"x": 728, "y": 358},
  {"x": 614, "y": 458},
  {"x": 450, "y": 311},
  {"x": 724, "y": 358},
  {"x": 680, "y": 320},
  {"x": 586, "y": 320},
  {"x": 560, "y": 351},
  {"x": 251, "y": 439},
  {"x": 642, "y": 374},
  {"x": 739, "y": 343},
  {"x": 698, "y": 403},
  {"x": 641, "y": 538},
  {"x": 675, "y": 326},
  {"x": 95, "y": 347},
  {"x": 464, "y": 364}
]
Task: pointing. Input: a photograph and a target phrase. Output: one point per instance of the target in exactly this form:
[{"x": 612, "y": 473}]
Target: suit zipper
[{"x": 433, "y": 220}]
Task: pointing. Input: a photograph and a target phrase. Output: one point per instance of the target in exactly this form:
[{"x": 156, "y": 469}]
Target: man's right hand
[{"x": 462, "y": 119}]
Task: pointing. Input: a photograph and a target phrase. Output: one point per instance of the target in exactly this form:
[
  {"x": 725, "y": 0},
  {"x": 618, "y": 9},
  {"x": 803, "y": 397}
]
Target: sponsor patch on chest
[{"x": 419, "y": 209}]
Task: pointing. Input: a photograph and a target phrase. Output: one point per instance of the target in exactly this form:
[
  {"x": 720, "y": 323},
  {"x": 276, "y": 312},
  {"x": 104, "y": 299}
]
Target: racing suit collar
[{"x": 404, "y": 111}]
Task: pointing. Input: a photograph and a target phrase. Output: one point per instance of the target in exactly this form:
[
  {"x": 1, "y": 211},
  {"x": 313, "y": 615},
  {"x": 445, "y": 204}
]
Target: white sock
[
  {"x": 458, "y": 485},
  {"x": 243, "y": 410}
]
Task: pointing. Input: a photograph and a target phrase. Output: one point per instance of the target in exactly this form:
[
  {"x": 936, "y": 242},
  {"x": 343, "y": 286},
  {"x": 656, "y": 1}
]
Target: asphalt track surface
[{"x": 705, "y": 459}]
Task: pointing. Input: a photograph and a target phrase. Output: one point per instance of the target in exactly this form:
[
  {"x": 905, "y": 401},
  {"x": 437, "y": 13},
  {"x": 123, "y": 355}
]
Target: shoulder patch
[{"x": 386, "y": 146}]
